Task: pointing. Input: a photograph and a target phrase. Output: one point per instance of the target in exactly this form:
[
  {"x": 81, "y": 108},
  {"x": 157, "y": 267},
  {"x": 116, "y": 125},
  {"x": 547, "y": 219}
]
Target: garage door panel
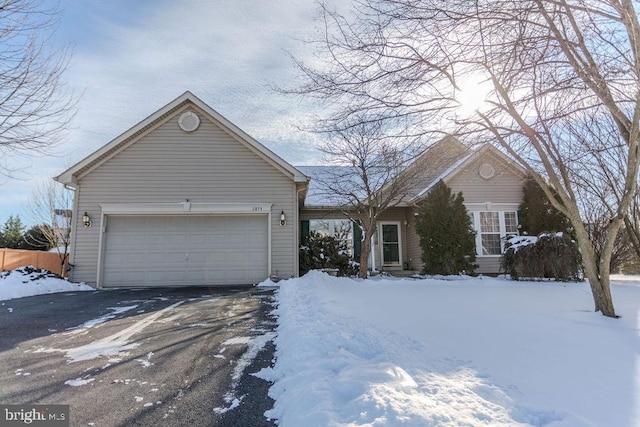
[
  {"x": 157, "y": 258},
  {"x": 185, "y": 250}
]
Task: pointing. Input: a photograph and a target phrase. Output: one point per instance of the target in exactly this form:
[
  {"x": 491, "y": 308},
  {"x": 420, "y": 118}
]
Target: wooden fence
[{"x": 11, "y": 259}]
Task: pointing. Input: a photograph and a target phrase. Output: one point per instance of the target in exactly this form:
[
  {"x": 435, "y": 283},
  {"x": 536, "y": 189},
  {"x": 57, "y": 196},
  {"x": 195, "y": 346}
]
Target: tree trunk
[
  {"x": 365, "y": 251},
  {"x": 633, "y": 232},
  {"x": 63, "y": 259},
  {"x": 598, "y": 280}
]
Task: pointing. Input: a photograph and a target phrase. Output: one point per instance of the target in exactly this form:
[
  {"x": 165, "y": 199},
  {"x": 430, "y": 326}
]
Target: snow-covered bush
[
  {"x": 30, "y": 273},
  {"x": 550, "y": 255},
  {"x": 326, "y": 252}
]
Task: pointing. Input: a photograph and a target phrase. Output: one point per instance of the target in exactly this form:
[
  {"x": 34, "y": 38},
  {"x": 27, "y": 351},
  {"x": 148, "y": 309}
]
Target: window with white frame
[
  {"x": 491, "y": 228},
  {"x": 341, "y": 229}
]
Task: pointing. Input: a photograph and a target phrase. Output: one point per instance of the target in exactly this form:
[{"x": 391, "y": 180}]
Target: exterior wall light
[
  {"x": 283, "y": 219},
  {"x": 86, "y": 220}
]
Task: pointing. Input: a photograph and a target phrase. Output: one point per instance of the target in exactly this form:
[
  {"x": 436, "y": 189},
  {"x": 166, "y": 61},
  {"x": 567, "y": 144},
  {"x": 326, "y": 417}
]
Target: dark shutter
[
  {"x": 357, "y": 240},
  {"x": 304, "y": 229}
]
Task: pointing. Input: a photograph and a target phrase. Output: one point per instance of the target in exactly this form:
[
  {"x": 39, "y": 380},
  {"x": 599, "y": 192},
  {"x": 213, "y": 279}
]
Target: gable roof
[
  {"x": 440, "y": 161},
  {"x": 446, "y": 167},
  {"x": 84, "y": 166}
]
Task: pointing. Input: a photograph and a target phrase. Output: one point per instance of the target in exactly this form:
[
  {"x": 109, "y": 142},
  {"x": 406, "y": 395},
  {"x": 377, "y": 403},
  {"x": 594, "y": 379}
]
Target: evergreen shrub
[
  {"x": 548, "y": 256},
  {"x": 447, "y": 239},
  {"x": 320, "y": 252}
]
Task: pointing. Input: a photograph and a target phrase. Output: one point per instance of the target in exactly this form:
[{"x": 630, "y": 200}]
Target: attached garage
[
  {"x": 184, "y": 198},
  {"x": 185, "y": 250}
]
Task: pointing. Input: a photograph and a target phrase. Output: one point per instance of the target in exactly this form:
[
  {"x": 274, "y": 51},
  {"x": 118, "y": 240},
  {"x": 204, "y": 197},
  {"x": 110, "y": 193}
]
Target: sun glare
[{"x": 472, "y": 93}]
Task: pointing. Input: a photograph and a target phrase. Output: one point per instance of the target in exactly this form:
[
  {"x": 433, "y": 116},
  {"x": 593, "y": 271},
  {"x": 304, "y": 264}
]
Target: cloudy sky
[{"x": 131, "y": 58}]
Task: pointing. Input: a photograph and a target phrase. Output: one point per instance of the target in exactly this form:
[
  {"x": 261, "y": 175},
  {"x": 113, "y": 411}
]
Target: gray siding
[
  {"x": 168, "y": 165},
  {"x": 488, "y": 265},
  {"x": 414, "y": 253},
  {"x": 504, "y": 187},
  {"x": 434, "y": 162}
]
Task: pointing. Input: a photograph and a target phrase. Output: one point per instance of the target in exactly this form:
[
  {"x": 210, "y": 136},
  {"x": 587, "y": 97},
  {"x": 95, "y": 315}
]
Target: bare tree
[
  {"x": 51, "y": 206},
  {"x": 632, "y": 224},
  {"x": 34, "y": 107},
  {"x": 546, "y": 69},
  {"x": 370, "y": 175}
]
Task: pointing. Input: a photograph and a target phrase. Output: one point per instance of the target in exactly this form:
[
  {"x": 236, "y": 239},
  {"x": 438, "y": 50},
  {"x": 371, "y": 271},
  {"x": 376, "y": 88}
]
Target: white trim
[
  {"x": 185, "y": 208},
  {"x": 381, "y": 241},
  {"x": 74, "y": 232},
  {"x": 491, "y": 207},
  {"x": 101, "y": 243},
  {"x": 269, "y": 228}
]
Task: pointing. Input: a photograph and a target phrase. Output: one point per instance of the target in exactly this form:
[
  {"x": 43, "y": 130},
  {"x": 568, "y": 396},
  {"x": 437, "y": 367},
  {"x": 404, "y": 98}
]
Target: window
[
  {"x": 320, "y": 227},
  {"x": 341, "y": 229},
  {"x": 491, "y": 229},
  {"x": 511, "y": 223},
  {"x": 490, "y": 233}
]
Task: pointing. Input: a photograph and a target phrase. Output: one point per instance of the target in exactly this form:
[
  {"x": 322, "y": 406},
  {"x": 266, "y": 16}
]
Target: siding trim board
[{"x": 185, "y": 207}]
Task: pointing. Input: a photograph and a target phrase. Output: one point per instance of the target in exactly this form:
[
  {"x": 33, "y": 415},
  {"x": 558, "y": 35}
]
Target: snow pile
[
  {"x": 455, "y": 352},
  {"x": 517, "y": 242},
  {"x": 28, "y": 281}
]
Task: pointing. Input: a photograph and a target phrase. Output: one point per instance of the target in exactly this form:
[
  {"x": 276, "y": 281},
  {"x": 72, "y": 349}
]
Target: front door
[{"x": 390, "y": 232}]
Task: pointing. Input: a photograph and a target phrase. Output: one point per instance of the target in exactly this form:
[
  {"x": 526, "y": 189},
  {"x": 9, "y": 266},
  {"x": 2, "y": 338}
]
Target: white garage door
[{"x": 185, "y": 250}]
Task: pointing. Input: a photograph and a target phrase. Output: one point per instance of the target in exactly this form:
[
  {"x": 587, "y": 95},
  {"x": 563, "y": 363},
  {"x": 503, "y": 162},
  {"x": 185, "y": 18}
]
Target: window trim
[
  {"x": 502, "y": 226},
  {"x": 331, "y": 223},
  {"x": 381, "y": 244}
]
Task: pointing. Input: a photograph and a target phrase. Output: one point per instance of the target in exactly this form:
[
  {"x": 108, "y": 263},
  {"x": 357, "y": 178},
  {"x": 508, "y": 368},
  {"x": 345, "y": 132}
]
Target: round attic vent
[
  {"x": 189, "y": 121},
  {"x": 486, "y": 171}
]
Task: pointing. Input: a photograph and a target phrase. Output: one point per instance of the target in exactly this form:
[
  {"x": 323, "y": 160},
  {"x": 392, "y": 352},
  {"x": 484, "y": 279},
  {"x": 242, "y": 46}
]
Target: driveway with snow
[{"x": 140, "y": 357}]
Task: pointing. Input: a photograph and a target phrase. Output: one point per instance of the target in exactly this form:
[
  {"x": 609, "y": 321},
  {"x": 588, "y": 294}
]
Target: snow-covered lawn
[
  {"x": 28, "y": 281},
  {"x": 454, "y": 352}
]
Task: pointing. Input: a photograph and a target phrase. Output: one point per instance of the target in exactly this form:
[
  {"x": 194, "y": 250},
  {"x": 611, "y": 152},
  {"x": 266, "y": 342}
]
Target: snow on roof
[
  {"x": 446, "y": 172},
  {"x": 437, "y": 161}
]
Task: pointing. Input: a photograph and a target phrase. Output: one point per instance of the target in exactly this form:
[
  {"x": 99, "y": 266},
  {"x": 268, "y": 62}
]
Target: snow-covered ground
[
  {"x": 28, "y": 281},
  {"x": 450, "y": 351},
  {"x": 454, "y": 352}
]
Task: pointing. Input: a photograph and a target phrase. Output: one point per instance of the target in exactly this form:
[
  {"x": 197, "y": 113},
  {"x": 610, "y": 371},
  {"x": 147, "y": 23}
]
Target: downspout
[
  {"x": 74, "y": 225},
  {"x": 372, "y": 254}
]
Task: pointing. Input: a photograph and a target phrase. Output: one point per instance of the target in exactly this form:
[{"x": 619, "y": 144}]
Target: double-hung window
[
  {"x": 341, "y": 229},
  {"x": 491, "y": 228}
]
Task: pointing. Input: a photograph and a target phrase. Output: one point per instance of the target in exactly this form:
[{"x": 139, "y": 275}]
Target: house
[
  {"x": 491, "y": 184},
  {"x": 185, "y": 198}
]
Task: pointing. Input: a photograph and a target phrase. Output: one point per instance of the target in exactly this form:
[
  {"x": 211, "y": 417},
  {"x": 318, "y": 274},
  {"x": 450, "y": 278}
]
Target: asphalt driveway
[{"x": 140, "y": 357}]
